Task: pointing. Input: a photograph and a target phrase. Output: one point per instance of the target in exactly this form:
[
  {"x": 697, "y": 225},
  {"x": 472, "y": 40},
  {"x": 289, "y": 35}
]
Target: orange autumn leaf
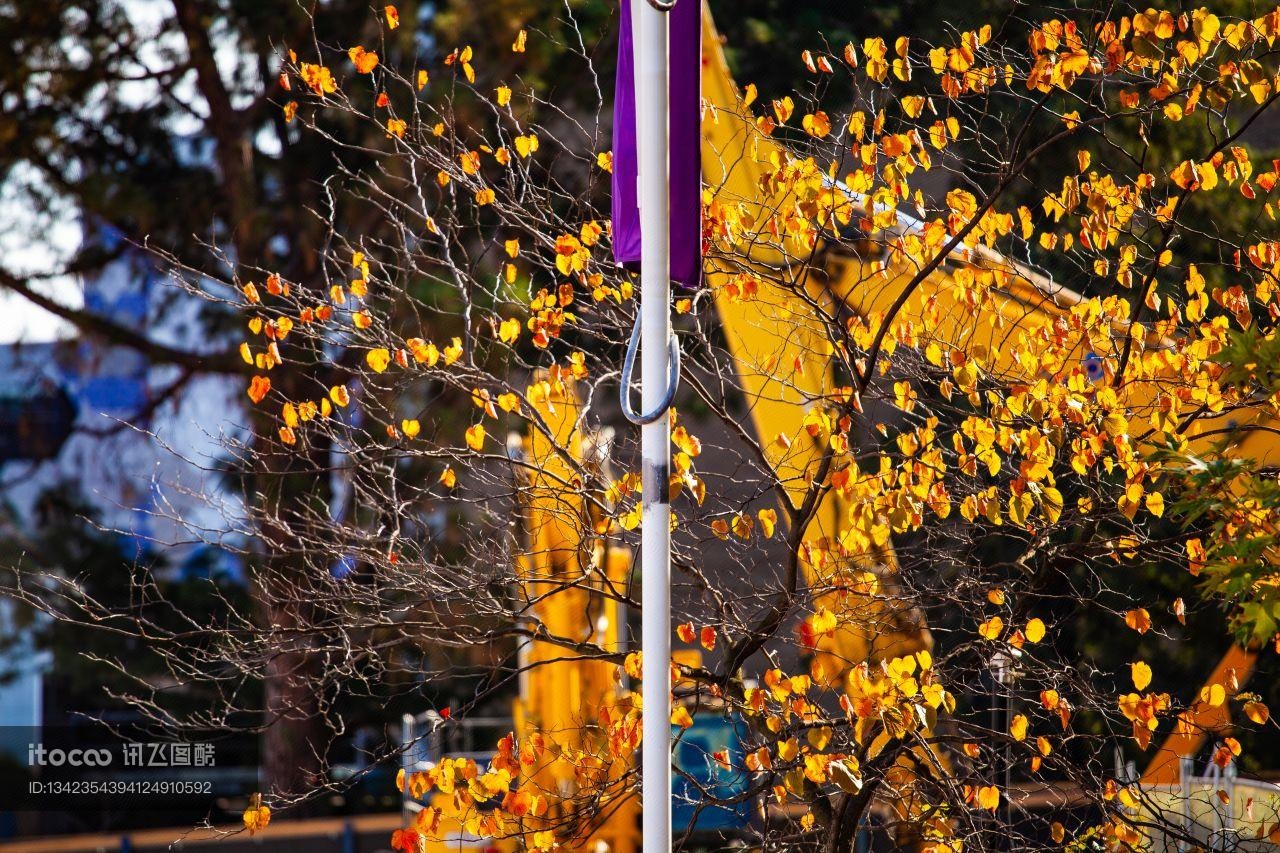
[
  {"x": 364, "y": 60},
  {"x": 1257, "y": 712},
  {"x": 256, "y": 818},
  {"x": 258, "y": 388},
  {"x": 393, "y": 17},
  {"x": 1139, "y": 620}
]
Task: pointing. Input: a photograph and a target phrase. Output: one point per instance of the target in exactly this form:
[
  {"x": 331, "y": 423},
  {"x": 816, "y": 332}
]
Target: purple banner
[{"x": 685, "y": 52}]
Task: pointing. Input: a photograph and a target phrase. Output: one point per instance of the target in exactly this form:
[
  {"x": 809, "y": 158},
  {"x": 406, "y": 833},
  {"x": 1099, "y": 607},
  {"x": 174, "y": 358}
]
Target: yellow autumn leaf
[
  {"x": 858, "y": 125},
  {"x": 1018, "y": 727},
  {"x": 768, "y": 522},
  {"x": 783, "y": 109},
  {"x": 526, "y": 145},
  {"x": 816, "y": 124},
  {"x": 1035, "y": 630},
  {"x": 378, "y": 358},
  {"x": 509, "y": 331},
  {"x": 475, "y": 437},
  {"x": 504, "y": 95},
  {"x": 991, "y": 628},
  {"x": 630, "y": 520},
  {"x": 1155, "y": 504},
  {"x": 989, "y": 797},
  {"x": 448, "y": 477},
  {"x": 680, "y": 717},
  {"x": 913, "y": 105},
  {"x": 410, "y": 428},
  {"x": 823, "y": 622},
  {"x": 1051, "y": 504},
  {"x": 686, "y": 441},
  {"x": 1215, "y": 694},
  {"x": 1141, "y": 674}
]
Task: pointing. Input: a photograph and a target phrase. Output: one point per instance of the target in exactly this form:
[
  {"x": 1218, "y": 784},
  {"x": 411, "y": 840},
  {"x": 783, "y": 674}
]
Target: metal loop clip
[
  {"x": 628, "y": 373},
  {"x": 663, "y": 5}
]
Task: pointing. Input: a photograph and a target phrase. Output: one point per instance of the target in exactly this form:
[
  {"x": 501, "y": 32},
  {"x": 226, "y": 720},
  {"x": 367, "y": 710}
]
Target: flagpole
[{"x": 651, "y": 80}]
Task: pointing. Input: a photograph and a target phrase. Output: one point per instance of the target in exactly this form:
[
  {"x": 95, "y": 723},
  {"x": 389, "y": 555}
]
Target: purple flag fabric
[{"x": 685, "y": 168}]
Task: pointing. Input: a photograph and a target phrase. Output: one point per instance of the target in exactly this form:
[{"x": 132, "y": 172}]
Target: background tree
[{"x": 163, "y": 126}]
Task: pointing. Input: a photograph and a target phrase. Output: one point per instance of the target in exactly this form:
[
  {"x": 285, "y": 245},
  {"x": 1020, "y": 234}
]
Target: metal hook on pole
[
  {"x": 628, "y": 372},
  {"x": 663, "y": 5}
]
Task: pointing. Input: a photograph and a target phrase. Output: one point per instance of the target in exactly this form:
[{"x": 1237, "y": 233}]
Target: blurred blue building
[{"x": 135, "y": 441}]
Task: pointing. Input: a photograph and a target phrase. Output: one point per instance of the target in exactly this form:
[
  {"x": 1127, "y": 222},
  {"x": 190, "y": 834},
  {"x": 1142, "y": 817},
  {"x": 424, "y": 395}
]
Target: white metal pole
[{"x": 652, "y": 141}]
